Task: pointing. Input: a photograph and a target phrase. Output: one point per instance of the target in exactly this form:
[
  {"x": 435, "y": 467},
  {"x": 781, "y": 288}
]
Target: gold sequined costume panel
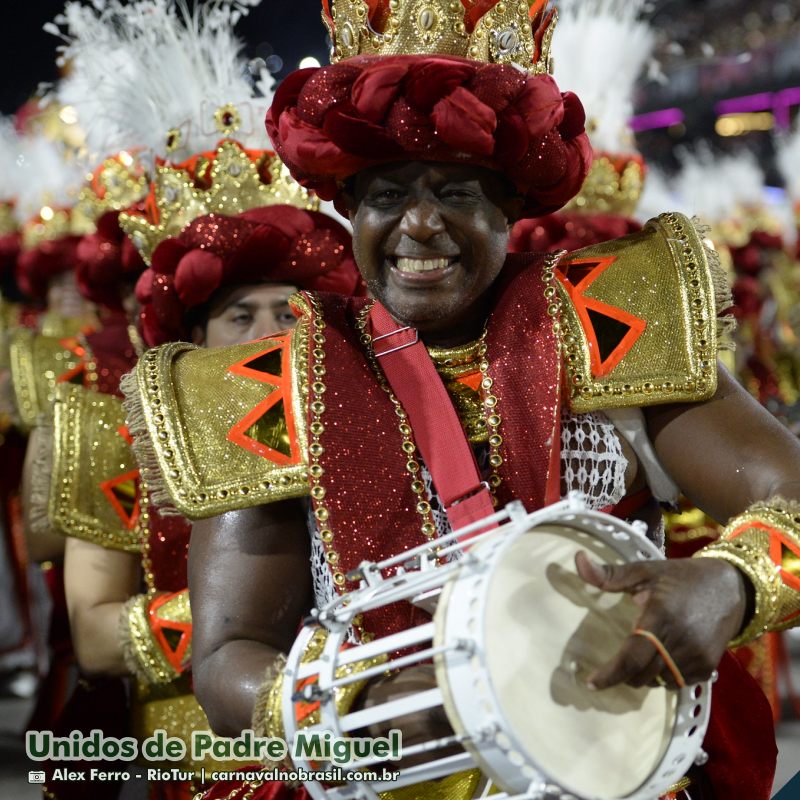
[
  {"x": 211, "y": 434},
  {"x": 37, "y": 364},
  {"x": 656, "y": 290},
  {"x": 94, "y": 484}
]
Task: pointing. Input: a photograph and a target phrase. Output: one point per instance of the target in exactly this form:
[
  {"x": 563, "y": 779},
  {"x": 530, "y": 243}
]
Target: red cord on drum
[{"x": 664, "y": 653}]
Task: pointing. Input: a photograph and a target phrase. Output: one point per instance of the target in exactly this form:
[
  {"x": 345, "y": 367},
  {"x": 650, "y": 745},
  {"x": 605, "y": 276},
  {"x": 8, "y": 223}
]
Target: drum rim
[{"x": 580, "y": 519}]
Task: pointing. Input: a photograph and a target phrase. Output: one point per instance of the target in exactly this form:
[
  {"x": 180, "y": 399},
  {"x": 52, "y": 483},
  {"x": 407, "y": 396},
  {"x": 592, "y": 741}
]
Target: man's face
[
  {"x": 430, "y": 239},
  {"x": 244, "y": 313}
]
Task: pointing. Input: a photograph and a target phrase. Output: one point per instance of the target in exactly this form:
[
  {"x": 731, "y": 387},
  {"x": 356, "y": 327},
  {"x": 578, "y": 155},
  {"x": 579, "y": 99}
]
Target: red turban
[
  {"x": 108, "y": 263},
  {"x": 568, "y": 231},
  {"x": 271, "y": 244},
  {"x": 328, "y": 124},
  {"x": 38, "y": 266}
]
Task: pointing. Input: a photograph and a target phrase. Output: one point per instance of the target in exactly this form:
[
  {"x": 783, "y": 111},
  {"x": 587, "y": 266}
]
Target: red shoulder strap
[{"x": 439, "y": 435}]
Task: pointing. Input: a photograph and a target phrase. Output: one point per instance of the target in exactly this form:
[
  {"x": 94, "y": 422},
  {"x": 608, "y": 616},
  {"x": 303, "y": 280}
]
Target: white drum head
[{"x": 545, "y": 631}]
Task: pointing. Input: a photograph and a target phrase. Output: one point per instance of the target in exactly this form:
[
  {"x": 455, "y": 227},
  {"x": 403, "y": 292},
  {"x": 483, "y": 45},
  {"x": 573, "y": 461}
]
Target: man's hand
[
  {"x": 419, "y": 727},
  {"x": 694, "y": 606}
]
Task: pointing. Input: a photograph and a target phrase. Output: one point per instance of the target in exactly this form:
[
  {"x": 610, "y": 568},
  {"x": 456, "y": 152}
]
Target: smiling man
[
  {"x": 592, "y": 371},
  {"x": 432, "y": 240}
]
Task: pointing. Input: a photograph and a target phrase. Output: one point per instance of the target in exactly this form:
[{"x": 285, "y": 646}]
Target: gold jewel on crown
[
  {"x": 228, "y": 183},
  {"x": 511, "y": 32}
]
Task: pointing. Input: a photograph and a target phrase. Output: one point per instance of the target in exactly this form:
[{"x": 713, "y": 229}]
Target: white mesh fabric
[{"x": 592, "y": 462}]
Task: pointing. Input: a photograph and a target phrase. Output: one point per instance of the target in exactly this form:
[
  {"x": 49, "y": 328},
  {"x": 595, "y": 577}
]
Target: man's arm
[
  {"x": 250, "y": 587},
  {"x": 725, "y": 454},
  {"x": 98, "y": 581}
]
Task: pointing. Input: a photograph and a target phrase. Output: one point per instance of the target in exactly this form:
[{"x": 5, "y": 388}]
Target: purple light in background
[
  {"x": 657, "y": 119},
  {"x": 784, "y": 100},
  {"x": 744, "y": 105}
]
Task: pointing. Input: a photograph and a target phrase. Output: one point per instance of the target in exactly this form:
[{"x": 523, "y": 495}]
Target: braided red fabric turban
[
  {"x": 108, "y": 263},
  {"x": 330, "y": 123},
  {"x": 272, "y": 244},
  {"x": 38, "y": 266}
]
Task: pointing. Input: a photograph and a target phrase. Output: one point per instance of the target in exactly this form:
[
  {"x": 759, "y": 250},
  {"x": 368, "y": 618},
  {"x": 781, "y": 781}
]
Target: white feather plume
[
  {"x": 10, "y": 148},
  {"x": 701, "y": 184},
  {"x": 744, "y": 178},
  {"x": 46, "y": 175},
  {"x": 789, "y": 162},
  {"x": 658, "y": 196},
  {"x": 600, "y": 49},
  {"x": 144, "y": 68}
]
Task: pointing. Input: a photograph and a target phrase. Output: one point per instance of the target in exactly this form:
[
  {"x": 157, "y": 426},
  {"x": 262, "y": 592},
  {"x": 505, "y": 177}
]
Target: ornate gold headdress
[
  {"x": 614, "y": 185},
  {"x": 194, "y": 87},
  {"x": 236, "y": 180},
  {"x": 116, "y": 184},
  {"x": 507, "y": 32}
]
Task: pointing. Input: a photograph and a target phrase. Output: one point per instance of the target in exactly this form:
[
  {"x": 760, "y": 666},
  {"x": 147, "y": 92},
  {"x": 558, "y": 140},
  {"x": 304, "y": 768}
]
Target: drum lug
[
  {"x": 487, "y": 732},
  {"x": 546, "y": 791},
  {"x": 701, "y": 758},
  {"x": 366, "y": 571},
  {"x": 310, "y": 694}
]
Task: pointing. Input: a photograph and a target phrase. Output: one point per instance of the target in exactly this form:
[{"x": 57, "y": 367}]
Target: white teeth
[{"x": 421, "y": 264}]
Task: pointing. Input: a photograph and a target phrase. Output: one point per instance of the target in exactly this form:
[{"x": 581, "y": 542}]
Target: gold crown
[
  {"x": 614, "y": 185},
  {"x": 228, "y": 182},
  {"x": 115, "y": 185},
  {"x": 511, "y": 32},
  {"x": 55, "y": 223}
]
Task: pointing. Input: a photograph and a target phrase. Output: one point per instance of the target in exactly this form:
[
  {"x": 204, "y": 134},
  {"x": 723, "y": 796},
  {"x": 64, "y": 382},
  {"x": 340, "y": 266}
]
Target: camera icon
[{"x": 36, "y": 776}]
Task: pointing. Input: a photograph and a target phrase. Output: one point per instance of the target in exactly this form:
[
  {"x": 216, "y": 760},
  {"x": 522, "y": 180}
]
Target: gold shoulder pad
[
  {"x": 221, "y": 429},
  {"x": 9, "y": 320},
  {"x": 94, "y": 487},
  {"x": 639, "y": 318},
  {"x": 38, "y": 364}
]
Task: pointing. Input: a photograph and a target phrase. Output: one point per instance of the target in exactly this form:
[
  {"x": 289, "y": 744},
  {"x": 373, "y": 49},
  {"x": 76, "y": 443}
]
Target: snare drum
[{"x": 515, "y": 633}]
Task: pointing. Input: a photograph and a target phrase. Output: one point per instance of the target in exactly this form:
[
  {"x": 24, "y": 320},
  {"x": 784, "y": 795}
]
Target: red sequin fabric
[
  {"x": 368, "y": 496},
  {"x": 168, "y": 540}
]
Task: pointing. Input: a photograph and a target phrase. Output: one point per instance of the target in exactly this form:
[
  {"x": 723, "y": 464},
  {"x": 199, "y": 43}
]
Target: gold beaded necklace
[{"x": 451, "y": 363}]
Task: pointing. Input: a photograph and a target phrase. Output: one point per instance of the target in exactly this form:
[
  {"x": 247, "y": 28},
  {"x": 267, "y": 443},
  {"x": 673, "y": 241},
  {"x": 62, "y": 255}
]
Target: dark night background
[{"x": 290, "y": 29}]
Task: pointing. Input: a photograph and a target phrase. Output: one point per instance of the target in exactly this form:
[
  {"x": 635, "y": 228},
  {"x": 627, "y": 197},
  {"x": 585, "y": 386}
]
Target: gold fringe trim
[
  {"x": 723, "y": 298},
  {"x": 38, "y": 500},
  {"x": 268, "y": 704},
  {"x": 778, "y": 501},
  {"x": 143, "y": 447},
  {"x": 126, "y": 637}
]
